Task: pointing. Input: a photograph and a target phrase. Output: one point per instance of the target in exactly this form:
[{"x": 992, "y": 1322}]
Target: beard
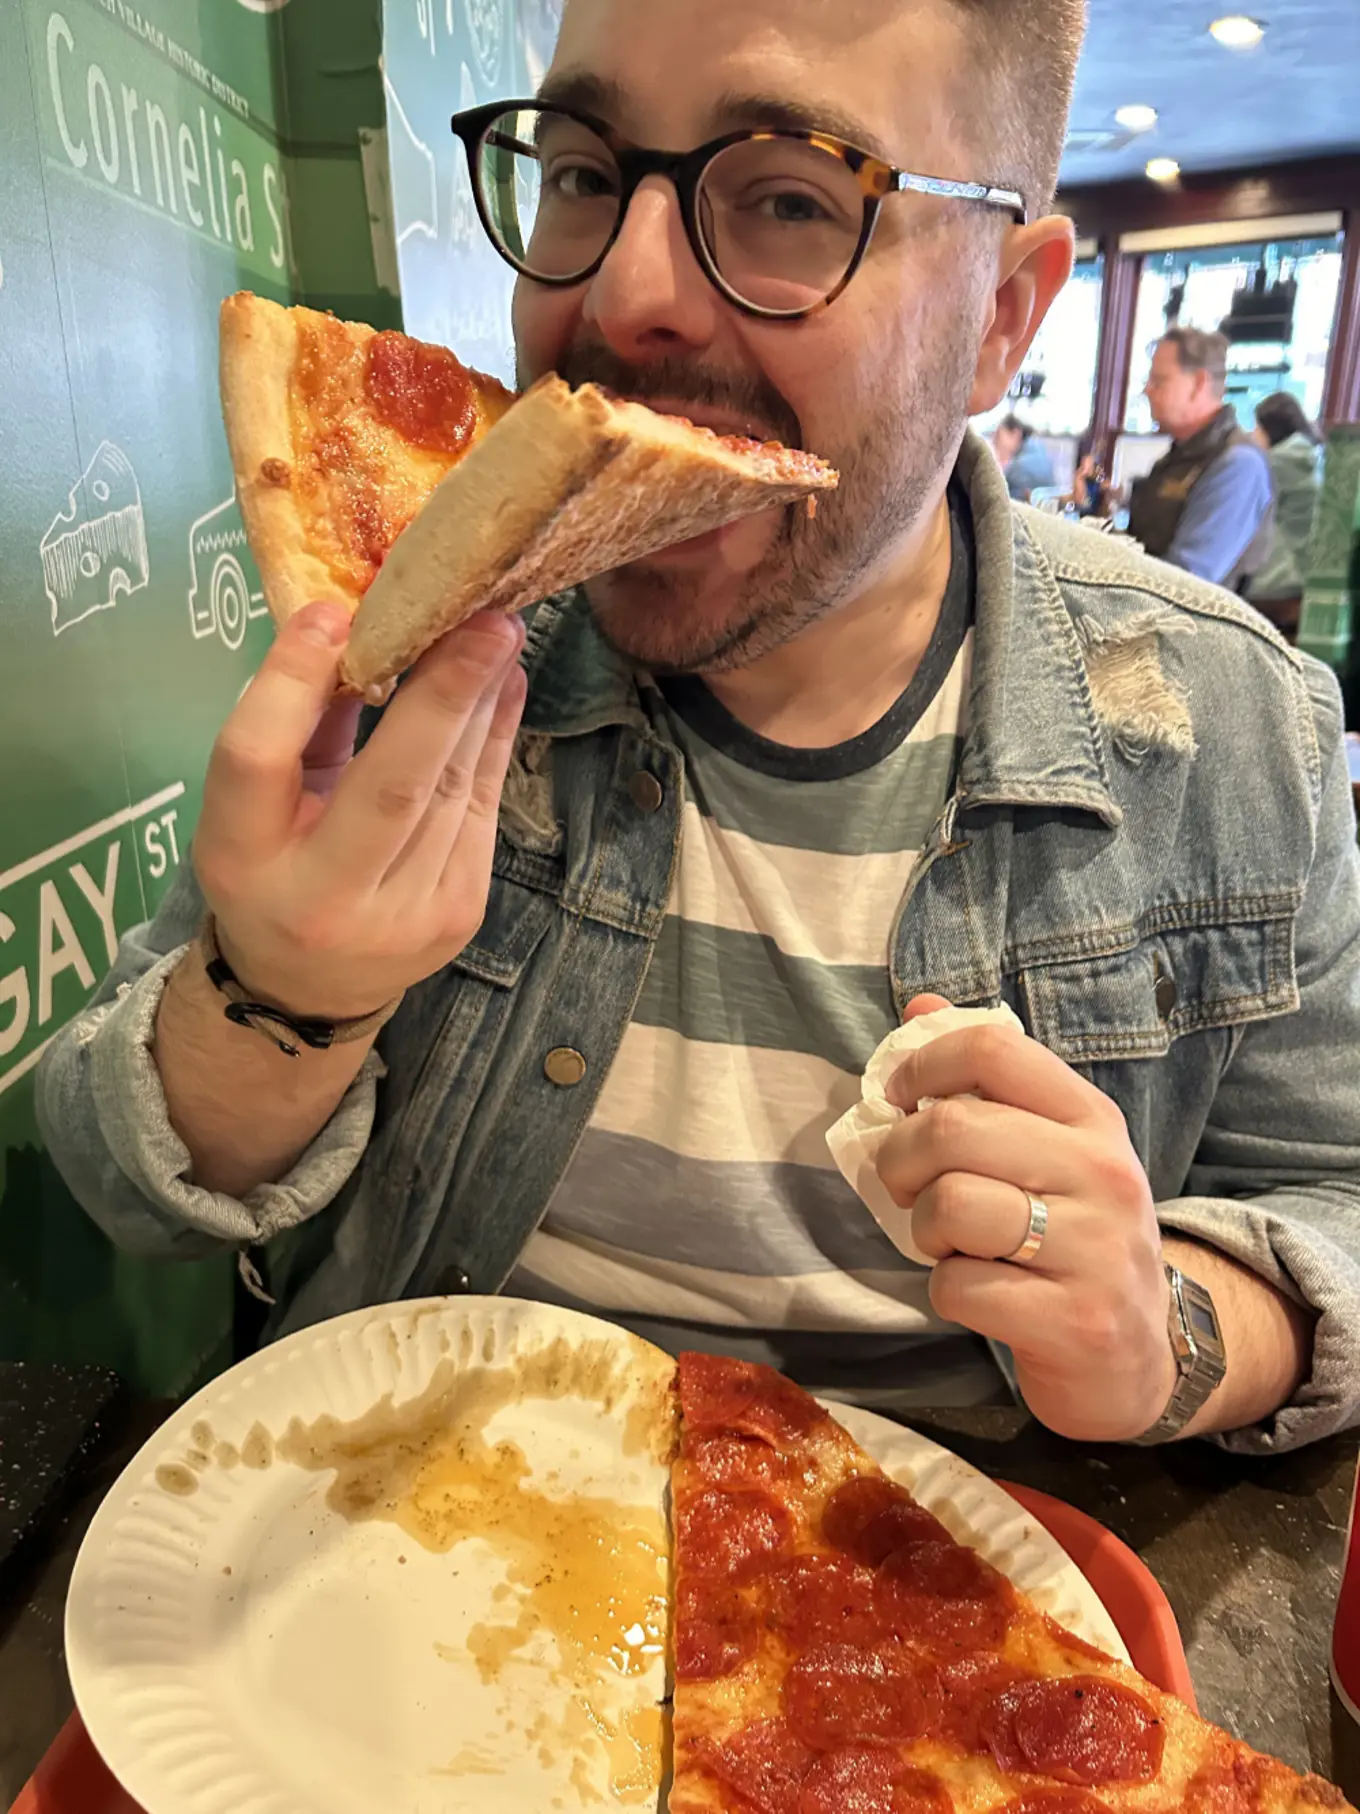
[{"x": 712, "y": 619}]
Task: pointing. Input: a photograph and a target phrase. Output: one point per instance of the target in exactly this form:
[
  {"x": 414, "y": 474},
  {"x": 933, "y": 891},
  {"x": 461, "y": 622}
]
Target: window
[
  {"x": 1196, "y": 288},
  {"x": 1054, "y": 389}
]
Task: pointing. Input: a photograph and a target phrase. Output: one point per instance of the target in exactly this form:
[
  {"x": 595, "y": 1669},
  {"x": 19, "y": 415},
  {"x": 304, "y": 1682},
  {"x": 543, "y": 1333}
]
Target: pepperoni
[
  {"x": 946, "y": 1595},
  {"x": 733, "y": 1461},
  {"x": 716, "y": 1631},
  {"x": 720, "y": 1393},
  {"x": 870, "y": 1517},
  {"x": 825, "y": 1599},
  {"x": 765, "y": 1764},
  {"x": 836, "y": 1695},
  {"x": 1054, "y": 1801},
  {"x": 730, "y": 1534},
  {"x": 422, "y": 391},
  {"x": 1077, "y": 1728},
  {"x": 965, "y": 1690},
  {"x": 865, "y": 1779}
]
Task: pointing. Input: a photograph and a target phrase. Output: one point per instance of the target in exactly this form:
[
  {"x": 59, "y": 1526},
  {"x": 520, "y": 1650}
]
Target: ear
[{"x": 1035, "y": 262}]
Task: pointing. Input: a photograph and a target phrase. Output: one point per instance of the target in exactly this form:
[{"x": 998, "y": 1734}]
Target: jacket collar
[{"x": 1032, "y": 737}]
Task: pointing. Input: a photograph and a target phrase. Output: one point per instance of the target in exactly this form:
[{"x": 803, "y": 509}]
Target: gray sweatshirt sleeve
[
  {"x": 103, "y": 1116},
  {"x": 1276, "y": 1182}
]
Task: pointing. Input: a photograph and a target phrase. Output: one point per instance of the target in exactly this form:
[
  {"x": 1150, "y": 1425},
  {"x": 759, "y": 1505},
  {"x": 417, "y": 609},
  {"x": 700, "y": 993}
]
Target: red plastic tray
[{"x": 72, "y": 1779}]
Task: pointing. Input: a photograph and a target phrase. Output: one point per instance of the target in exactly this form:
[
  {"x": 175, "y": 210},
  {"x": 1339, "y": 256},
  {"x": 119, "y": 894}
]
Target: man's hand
[
  {"x": 338, "y": 881},
  {"x": 1087, "y": 1318}
]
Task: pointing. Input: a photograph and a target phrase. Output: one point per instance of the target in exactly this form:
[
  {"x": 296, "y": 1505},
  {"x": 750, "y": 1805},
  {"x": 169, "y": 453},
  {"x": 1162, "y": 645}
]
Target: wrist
[{"x": 292, "y": 997}]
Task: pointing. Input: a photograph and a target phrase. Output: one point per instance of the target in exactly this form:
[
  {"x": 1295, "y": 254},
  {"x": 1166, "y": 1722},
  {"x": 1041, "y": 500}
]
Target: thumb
[{"x": 923, "y": 1004}]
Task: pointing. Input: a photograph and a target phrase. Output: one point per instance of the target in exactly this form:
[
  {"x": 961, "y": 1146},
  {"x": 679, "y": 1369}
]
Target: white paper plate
[{"x": 244, "y": 1639}]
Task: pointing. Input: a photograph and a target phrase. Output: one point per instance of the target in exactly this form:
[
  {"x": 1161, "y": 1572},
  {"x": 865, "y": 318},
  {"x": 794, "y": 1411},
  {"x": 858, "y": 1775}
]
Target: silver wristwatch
[{"x": 1197, "y": 1343}]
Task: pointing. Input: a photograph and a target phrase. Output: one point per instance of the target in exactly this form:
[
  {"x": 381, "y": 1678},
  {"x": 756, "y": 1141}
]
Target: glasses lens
[
  {"x": 782, "y": 220},
  {"x": 550, "y": 187}
]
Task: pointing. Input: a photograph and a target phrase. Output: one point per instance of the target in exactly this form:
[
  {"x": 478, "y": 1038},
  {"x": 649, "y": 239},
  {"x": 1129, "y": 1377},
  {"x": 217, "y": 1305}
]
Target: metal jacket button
[
  {"x": 564, "y": 1066},
  {"x": 646, "y": 791}
]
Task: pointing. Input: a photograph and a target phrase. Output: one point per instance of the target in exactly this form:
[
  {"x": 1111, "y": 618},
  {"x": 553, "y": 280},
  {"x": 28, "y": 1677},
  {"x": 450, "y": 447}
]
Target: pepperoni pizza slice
[
  {"x": 375, "y": 468},
  {"x": 838, "y": 1652}
]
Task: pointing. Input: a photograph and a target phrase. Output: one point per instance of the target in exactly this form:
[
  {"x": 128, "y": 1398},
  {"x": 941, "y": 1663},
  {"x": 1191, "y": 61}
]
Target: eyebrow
[{"x": 589, "y": 93}]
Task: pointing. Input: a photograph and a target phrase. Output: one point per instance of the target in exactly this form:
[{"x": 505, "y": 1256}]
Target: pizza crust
[
  {"x": 567, "y": 485},
  {"x": 259, "y": 343}
]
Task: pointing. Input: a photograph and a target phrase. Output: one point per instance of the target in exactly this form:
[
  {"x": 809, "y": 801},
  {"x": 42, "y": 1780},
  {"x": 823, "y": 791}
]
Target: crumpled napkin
[{"x": 857, "y": 1138}]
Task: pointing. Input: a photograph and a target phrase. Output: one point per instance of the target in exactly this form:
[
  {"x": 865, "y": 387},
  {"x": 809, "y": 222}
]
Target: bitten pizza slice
[
  {"x": 837, "y": 1651},
  {"x": 377, "y": 470}
]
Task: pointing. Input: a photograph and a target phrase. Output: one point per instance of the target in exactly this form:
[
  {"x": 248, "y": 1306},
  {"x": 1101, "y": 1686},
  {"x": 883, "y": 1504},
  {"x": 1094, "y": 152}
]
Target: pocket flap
[{"x": 1134, "y": 1003}]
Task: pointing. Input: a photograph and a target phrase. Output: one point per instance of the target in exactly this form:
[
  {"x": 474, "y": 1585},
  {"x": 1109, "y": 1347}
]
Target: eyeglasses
[{"x": 779, "y": 220}]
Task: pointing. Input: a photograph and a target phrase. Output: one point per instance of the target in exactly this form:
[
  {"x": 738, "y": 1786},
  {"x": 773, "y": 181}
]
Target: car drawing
[{"x": 224, "y": 583}]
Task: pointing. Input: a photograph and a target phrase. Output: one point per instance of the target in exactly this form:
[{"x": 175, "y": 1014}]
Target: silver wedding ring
[{"x": 1034, "y": 1234}]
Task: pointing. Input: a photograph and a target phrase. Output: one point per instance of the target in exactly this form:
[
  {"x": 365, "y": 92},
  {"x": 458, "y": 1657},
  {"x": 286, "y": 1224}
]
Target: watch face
[{"x": 1201, "y": 1320}]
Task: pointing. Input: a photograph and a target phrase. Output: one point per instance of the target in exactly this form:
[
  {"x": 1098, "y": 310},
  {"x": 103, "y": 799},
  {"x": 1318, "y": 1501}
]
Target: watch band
[
  {"x": 1201, "y": 1361},
  {"x": 275, "y": 1023}
]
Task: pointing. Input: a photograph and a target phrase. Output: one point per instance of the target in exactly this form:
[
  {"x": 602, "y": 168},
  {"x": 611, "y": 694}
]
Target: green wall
[{"x": 155, "y": 158}]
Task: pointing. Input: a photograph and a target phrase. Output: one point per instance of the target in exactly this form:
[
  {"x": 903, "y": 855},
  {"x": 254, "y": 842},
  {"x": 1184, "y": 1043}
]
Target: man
[
  {"x": 1207, "y": 505},
  {"x": 773, "y": 789},
  {"x": 1022, "y": 458}
]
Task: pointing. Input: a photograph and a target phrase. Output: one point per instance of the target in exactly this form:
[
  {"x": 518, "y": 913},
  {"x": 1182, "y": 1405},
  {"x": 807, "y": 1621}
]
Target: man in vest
[{"x": 1208, "y": 504}]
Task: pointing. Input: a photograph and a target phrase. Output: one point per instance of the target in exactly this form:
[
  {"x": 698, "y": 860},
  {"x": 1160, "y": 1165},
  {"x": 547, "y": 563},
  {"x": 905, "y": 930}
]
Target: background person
[
  {"x": 1293, "y": 446},
  {"x": 1023, "y": 458},
  {"x": 1207, "y": 505}
]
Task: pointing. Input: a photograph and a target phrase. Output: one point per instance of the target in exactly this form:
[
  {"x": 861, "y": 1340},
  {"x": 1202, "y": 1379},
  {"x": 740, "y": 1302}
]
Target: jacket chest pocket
[{"x": 1135, "y": 1002}]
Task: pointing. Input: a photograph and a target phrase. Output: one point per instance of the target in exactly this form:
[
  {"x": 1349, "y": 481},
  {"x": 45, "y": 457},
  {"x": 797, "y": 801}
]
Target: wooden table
[{"x": 1248, "y": 1552}]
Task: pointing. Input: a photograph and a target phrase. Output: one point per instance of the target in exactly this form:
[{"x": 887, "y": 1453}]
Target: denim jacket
[{"x": 1149, "y": 854}]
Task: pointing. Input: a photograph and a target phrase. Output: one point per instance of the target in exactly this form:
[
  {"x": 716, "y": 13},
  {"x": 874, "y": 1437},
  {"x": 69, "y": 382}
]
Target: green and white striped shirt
[{"x": 702, "y": 1207}]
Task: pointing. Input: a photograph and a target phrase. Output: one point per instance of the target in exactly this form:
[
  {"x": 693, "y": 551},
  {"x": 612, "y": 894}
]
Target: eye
[
  {"x": 790, "y": 207},
  {"x": 580, "y": 182}
]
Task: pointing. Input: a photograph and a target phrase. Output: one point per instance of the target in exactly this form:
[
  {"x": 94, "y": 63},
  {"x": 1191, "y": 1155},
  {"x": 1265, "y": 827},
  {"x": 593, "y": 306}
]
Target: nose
[{"x": 650, "y": 297}]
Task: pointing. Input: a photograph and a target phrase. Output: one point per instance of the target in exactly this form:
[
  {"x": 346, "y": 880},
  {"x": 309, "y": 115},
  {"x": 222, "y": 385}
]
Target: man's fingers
[
  {"x": 923, "y": 1004},
  {"x": 384, "y": 794},
  {"x": 420, "y": 866},
  {"x": 328, "y": 754},
  {"x": 254, "y": 778},
  {"x": 467, "y": 873},
  {"x": 988, "y": 1140},
  {"x": 962, "y": 1213},
  {"x": 1009, "y": 1304},
  {"x": 1000, "y": 1065}
]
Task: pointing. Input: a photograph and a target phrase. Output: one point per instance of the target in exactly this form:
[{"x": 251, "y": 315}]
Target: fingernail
[{"x": 324, "y": 625}]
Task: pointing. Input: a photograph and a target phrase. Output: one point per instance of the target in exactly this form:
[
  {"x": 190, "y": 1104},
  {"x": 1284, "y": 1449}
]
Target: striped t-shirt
[{"x": 702, "y": 1207}]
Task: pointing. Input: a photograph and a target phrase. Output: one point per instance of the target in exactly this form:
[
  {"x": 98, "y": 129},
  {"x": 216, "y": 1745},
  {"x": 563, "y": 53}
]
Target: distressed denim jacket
[{"x": 1149, "y": 854}]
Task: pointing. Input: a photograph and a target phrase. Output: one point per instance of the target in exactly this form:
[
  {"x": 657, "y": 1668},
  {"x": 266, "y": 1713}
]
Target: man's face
[
  {"x": 879, "y": 383},
  {"x": 1180, "y": 400},
  {"x": 1006, "y": 443}
]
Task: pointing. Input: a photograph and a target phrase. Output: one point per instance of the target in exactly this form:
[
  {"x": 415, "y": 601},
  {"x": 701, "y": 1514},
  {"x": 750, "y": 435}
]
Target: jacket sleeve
[
  {"x": 1276, "y": 1180},
  {"x": 103, "y": 1115},
  {"x": 1222, "y": 514}
]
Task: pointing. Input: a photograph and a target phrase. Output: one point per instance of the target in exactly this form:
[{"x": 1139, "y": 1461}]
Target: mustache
[{"x": 681, "y": 380}]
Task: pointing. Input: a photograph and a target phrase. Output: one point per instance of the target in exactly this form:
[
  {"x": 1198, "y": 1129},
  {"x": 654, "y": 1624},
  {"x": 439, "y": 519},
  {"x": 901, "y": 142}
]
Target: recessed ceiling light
[
  {"x": 1237, "y": 31},
  {"x": 1136, "y": 118},
  {"x": 1163, "y": 169}
]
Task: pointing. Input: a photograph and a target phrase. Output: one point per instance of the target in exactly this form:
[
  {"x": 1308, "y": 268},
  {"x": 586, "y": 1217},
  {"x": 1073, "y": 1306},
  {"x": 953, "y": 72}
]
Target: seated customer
[
  {"x": 1291, "y": 444},
  {"x": 1207, "y": 504},
  {"x": 1022, "y": 456}
]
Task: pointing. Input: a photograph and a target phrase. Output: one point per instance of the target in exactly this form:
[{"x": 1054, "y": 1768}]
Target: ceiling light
[
  {"x": 1237, "y": 31},
  {"x": 1137, "y": 118},
  {"x": 1163, "y": 169}
]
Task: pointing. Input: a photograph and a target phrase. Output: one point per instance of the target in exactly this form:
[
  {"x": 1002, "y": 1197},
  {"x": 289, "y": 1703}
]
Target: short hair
[
  {"x": 1025, "y": 63},
  {"x": 1014, "y": 423},
  {"x": 1198, "y": 351},
  {"x": 1281, "y": 415}
]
